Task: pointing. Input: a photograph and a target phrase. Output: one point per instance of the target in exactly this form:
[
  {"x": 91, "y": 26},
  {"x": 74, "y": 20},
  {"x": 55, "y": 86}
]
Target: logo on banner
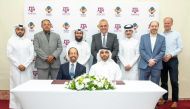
[
  {"x": 100, "y": 11},
  {"x": 151, "y": 11},
  {"x": 83, "y": 11},
  {"x": 48, "y": 10},
  {"x": 66, "y": 42},
  {"x": 31, "y": 26},
  {"x": 66, "y": 27},
  {"x": 66, "y": 11},
  {"x": 117, "y": 28},
  {"x": 135, "y": 26},
  {"x": 135, "y": 11},
  {"x": 117, "y": 11},
  {"x": 83, "y": 27},
  {"x": 31, "y": 10}
]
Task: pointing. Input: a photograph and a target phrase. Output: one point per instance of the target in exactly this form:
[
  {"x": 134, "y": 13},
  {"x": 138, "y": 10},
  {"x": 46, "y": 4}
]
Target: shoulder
[
  {"x": 28, "y": 41},
  {"x": 176, "y": 33},
  {"x": 144, "y": 36},
  {"x": 112, "y": 34},
  {"x": 97, "y": 34},
  {"x": 55, "y": 34},
  {"x": 38, "y": 34},
  {"x": 64, "y": 65},
  {"x": 161, "y": 36},
  {"x": 135, "y": 41},
  {"x": 78, "y": 64}
]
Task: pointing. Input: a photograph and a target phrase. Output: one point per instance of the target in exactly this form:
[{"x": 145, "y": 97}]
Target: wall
[{"x": 12, "y": 14}]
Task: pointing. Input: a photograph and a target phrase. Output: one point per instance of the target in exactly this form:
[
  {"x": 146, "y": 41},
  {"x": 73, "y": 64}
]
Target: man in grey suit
[
  {"x": 48, "y": 48},
  {"x": 152, "y": 49},
  {"x": 104, "y": 39}
]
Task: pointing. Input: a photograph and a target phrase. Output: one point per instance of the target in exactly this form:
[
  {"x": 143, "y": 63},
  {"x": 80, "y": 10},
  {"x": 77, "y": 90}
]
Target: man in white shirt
[
  {"x": 170, "y": 61},
  {"x": 82, "y": 47},
  {"x": 105, "y": 66},
  {"x": 20, "y": 52},
  {"x": 129, "y": 54},
  {"x": 152, "y": 49}
]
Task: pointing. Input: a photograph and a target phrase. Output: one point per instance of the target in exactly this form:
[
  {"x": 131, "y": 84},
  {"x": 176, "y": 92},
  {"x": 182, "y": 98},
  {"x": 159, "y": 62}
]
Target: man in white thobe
[
  {"x": 82, "y": 47},
  {"x": 20, "y": 52},
  {"x": 106, "y": 66},
  {"x": 129, "y": 54}
]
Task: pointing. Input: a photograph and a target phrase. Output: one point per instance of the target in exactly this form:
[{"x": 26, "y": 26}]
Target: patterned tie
[
  {"x": 72, "y": 72},
  {"x": 104, "y": 40}
]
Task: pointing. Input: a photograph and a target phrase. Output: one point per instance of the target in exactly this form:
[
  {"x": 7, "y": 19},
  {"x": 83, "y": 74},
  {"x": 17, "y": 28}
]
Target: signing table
[{"x": 41, "y": 94}]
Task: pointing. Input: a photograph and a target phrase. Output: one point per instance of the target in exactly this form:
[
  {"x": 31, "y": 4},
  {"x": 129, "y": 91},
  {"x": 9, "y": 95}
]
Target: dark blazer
[
  {"x": 111, "y": 43},
  {"x": 63, "y": 73},
  {"x": 146, "y": 51}
]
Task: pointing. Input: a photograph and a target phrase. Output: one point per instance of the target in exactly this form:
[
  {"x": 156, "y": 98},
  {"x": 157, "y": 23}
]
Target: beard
[
  {"x": 78, "y": 39},
  {"x": 20, "y": 34}
]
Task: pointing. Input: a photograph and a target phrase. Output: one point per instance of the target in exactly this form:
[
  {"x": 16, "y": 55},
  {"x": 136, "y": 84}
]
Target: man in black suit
[
  {"x": 71, "y": 69},
  {"x": 104, "y": 39}
]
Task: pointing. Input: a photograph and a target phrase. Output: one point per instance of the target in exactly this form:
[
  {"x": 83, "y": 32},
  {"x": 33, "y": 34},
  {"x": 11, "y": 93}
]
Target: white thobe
[
  {"x": 19, "y": 51},
  {"x": 84, "y": 52},
  {"x": 107, "y": 69},
  {"x": 128, "y": 55}
]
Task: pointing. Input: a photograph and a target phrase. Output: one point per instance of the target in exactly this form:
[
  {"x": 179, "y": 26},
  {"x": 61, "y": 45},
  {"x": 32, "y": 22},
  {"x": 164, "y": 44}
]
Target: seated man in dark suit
[{"x": 71, "y": 69}]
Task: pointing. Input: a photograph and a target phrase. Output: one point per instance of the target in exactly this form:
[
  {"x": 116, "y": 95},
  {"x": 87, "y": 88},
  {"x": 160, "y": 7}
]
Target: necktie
[
  {"x": 72, "y": 72},
  {"x": 104, "y": 40}
]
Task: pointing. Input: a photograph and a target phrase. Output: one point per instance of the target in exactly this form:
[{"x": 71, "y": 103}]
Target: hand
[
  {"x": 167, "y": 57},
  {"x": 128, "y": 67},
  {"x": 151, "y": 62},
  {"x": 50, "y": 59},
  {"x": 21, "y": 67}
]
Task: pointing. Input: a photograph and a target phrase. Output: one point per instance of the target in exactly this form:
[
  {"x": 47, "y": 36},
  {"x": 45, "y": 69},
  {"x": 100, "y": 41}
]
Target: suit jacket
[
  {"x": 146, "y": 51},
  {"x": 111, "y": 43},
  {"x": 63, "y": 73},
  {"x": 43, "y": 48}
]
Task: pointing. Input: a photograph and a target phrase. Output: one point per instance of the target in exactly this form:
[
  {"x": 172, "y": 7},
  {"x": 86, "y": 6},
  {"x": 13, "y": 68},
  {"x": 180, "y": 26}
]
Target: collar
[
  {"x": 73, "y": 63},
  {"x": 105, "y": 34}
]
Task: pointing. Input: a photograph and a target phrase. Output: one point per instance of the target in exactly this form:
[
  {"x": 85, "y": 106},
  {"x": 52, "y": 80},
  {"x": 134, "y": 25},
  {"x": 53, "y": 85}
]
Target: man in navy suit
[
  {"x": 71, "y": 69},
  {"x": 104, "y": 39},
  {"x": 152, "y": 49}
]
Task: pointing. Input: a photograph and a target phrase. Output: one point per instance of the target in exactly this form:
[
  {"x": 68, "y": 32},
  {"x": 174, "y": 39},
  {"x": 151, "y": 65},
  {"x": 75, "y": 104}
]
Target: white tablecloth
[{"x": 41, "y": 94}]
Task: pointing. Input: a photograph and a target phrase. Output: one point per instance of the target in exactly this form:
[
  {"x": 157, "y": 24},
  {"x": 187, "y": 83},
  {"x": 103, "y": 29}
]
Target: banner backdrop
[{"x": 68, "y": 15}]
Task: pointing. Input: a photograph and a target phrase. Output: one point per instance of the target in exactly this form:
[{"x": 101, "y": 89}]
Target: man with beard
[
  {"x": 20, "y": 52},
  {"x": 71, "y": 69},
  {"x": 152, "y": 49},
  {"x": 106, "y": 66},
  {"x": 48, "y": 48},
  {"x": 82, "y": 47}
]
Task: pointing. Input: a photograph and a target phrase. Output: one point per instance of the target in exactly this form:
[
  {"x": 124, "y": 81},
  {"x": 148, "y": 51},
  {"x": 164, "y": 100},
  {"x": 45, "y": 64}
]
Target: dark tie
[{"x": 72, "y": 72}]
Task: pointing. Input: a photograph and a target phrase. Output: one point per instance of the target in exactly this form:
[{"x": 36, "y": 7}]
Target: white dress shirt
[
  {"x": 153, "y": 41},
  {"x": 102, "y": 37}
]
